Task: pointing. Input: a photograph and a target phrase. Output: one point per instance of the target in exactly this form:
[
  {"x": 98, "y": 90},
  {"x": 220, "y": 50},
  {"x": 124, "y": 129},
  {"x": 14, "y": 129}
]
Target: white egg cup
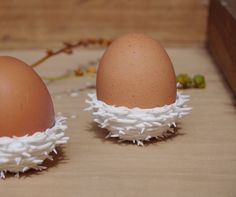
[
  {"x": 19, "y": 154},
  {"x": 137, "y": 124}
]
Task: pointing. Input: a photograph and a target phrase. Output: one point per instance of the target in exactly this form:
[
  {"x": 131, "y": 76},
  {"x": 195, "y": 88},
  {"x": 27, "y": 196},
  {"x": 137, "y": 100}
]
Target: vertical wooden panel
[
  {"x": 46, "y": 23},
  {"x": 222, "y": 37}
]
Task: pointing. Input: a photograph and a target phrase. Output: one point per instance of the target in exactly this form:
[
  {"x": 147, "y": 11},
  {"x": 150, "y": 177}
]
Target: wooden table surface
[{"x": 200, "y": 161}]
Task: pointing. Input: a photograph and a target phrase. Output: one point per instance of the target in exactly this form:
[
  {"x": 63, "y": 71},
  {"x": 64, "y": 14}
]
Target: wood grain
[
  {"x": 201, "y": 161},
  {"x": 222, "y": 39},
  {"x": 47, "y": 23}
]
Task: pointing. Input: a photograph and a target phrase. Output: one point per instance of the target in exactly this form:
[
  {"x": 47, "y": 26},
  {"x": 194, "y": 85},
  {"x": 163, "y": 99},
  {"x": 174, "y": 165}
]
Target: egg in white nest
[
  {"x": 136, "y": 97},
  {"x": 29, "y": 130}
]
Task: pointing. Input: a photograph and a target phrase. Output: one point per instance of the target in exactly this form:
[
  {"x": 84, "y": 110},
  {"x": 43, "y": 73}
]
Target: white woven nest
[
  {"x": 19, "y": 154},
  {"x": 137, "y": 124}
]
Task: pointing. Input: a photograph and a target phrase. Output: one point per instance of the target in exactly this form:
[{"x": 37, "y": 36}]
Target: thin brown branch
[{"x": 68, "y": 48}]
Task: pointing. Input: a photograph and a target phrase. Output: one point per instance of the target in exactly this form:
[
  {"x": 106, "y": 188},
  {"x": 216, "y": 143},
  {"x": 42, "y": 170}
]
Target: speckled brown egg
[
  {"x": 135, "y": 71},
  {"x": 26, "y": 105}
]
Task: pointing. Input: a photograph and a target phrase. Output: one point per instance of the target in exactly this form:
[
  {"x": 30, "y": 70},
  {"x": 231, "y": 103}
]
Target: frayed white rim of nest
[
  {"x": 19, "y": 154},
  {"x": 137, "y": 124}
]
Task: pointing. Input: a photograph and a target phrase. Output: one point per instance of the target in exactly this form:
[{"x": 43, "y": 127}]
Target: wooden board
[
  {"x": 222, "y": 39},
  {"x": 47, "y": 23},
  {"x": 200, "y": 161}
]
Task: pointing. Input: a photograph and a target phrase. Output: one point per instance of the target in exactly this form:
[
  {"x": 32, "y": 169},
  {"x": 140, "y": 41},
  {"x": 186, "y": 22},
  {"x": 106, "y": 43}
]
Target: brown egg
[
  {"x": 26, "y": 105},
  {"x": 135, "y": 71}
]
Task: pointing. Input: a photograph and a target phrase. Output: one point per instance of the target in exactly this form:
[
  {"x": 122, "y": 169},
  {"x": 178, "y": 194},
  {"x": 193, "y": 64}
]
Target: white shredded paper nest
[
  {"x": 137, "y": 124},
  {"x": 19, "y": 154}
]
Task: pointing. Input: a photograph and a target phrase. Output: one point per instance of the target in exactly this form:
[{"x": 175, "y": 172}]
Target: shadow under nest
[{"x": 101, "y": 134}]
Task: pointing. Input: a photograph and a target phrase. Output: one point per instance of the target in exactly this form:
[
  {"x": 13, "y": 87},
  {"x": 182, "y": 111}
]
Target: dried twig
[{"x": 68, "y": 48}]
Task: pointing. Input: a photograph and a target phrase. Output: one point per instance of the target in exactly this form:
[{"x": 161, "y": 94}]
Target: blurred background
[{"x": 29, "y": 24}]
